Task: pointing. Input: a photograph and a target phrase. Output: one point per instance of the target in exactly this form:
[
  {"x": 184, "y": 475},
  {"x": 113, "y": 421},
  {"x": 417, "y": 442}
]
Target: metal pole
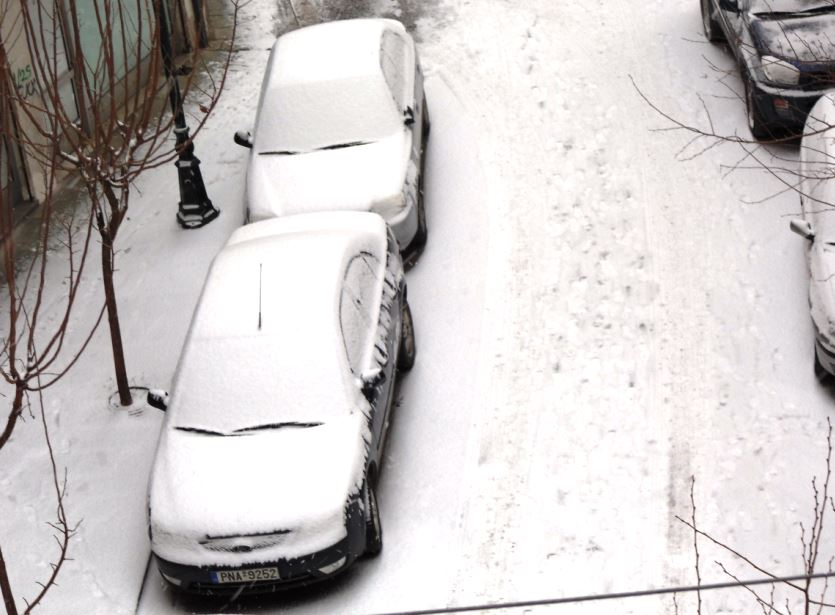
[{"x": 195, "y": 209}]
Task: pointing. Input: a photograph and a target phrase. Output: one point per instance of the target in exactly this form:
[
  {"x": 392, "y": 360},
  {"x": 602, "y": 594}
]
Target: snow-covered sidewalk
[{"x": 106, "y": 449}]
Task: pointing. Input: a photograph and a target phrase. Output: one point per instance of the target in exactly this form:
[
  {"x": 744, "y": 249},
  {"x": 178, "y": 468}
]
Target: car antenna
[{"x": 260, "y": 267}]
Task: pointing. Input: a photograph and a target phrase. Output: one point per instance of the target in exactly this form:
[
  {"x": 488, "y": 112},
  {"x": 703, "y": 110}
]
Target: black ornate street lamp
[{"x": 195, "y": 209}]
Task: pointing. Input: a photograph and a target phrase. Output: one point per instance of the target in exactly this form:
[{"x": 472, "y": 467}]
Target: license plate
[{"x": 245, "y": 576}]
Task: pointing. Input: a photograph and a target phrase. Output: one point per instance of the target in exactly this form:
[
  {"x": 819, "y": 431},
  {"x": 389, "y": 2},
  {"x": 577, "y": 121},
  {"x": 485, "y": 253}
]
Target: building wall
[{"x": 126, "y": 20}]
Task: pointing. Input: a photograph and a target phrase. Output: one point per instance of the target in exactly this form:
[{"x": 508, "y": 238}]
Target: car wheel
[
  {"x": 408, "y": 347},
  {"x": 713, "y": 31},
  {"x": 419, "y": 240},
  {"x": 821, "y": 374},
  {"x": 373, "y": 527},
  {"x": 427, "y": 125},
  {"x": 756, "y": 124},
  {"x": 420, "y": 236}
]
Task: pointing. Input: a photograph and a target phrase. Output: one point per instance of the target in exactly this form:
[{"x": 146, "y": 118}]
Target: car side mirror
[
  {"x": 802, "y": 228},
  {"x": 729, "y": 5},
  {"x": 157, "y": 398},
  {"x": 371, "y": 378},
  {"x": 409, "y": 116},
  {"x": 244, "y": 138}
]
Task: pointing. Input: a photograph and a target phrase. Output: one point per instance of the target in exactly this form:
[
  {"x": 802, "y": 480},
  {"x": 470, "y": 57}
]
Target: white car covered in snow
[
  {"x": 265, "y": 471},
  {"x": 342, "y": 124},
  {"x": 817, "y": 197}
]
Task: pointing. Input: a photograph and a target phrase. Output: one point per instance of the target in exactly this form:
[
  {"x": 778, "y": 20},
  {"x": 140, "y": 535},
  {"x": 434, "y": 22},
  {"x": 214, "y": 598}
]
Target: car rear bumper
[
  {"x": 826, "y": 356},
  {"x": 405, "y": 226}
]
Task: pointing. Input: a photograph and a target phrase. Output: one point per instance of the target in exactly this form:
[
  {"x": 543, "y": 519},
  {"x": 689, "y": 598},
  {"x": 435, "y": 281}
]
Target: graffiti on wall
[{"x": 24, "y": 82}]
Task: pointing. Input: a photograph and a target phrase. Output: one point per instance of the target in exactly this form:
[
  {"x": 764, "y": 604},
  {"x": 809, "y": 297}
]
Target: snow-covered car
[
  {"x": 817, "y": 195},
  {"x": 786, "y": 54},
  {"x": 265, "y": 471},
  {"x": 342, "y": 124}
]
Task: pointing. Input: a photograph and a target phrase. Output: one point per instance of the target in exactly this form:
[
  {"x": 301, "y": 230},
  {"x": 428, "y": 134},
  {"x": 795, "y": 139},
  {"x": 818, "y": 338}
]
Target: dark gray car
[{"x": 786, "y": 55}]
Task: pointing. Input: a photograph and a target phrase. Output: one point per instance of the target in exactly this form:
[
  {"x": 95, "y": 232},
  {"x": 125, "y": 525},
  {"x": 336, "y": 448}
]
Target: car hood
[
  {"x": 353, "y": 178},
  {"x": 799, "y": 39},
  {"x": 266, "y": 495},
  {"x": 822, "y": 288}
]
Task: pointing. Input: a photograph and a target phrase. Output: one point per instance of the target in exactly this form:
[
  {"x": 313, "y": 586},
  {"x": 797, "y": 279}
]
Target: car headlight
[{"x": 779, "y": 71}]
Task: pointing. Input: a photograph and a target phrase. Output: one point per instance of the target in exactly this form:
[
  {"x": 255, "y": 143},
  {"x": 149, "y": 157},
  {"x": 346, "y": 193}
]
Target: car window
[
  {"x": 393, "y": 63},
  {"x": 358, "y": 307}
]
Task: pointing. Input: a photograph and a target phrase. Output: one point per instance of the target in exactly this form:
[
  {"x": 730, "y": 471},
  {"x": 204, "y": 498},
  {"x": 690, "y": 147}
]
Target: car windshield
[
  {"x": 784, "y": 8},
  {"x": 241, "y": 386},
  {"x": 304, "y": 117}
]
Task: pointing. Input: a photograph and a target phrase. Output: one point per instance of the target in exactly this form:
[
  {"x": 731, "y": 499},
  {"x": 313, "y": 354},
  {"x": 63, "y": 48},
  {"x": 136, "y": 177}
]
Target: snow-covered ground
[{"x": 597, "y": 322}]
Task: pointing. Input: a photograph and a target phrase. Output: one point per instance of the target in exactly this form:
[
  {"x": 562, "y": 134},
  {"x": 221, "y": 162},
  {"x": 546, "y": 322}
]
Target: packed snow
[{"x": 597, "y": 320}]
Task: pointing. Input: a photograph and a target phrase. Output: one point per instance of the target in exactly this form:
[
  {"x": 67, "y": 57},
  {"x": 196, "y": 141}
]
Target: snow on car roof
[
  {"x": 265, "y": 344},
  {"x": 332, "y": 50},
  {"x": 817, "y": 184}
]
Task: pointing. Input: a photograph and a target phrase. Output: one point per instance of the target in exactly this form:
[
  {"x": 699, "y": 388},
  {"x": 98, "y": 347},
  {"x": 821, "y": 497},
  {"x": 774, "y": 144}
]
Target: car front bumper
[
  {"x": 784, "y": 108},
  {"x": 291, "y": 572}
]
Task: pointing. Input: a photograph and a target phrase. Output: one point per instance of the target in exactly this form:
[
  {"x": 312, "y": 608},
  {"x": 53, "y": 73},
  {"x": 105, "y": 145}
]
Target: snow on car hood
[
  {"x": 804, "y": 39},
  {"x": 822, "y": 288},
  {"x": 286, "y": 487},
  {"x": 353, "y": 178}
]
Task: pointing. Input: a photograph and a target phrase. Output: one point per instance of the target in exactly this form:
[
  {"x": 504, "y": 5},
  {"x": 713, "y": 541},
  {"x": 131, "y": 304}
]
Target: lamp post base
[
  {"x": 195, "y": 216},
  {"x": 196, "y": 207}
]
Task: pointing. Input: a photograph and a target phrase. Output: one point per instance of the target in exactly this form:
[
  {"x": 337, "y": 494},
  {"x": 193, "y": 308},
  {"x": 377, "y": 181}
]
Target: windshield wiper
[
  {"x": 790, "y": 14},
  {"x": 341, "y": 145},
  {"x": 200, "y": 430},
  {"x": 280, "y": 152},
  {"x": 277, "y": 426}
]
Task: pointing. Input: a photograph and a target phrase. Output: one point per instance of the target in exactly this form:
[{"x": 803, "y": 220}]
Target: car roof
[
  {"x": 332, "y": 50},
  {"x": 265, "y": 334}
]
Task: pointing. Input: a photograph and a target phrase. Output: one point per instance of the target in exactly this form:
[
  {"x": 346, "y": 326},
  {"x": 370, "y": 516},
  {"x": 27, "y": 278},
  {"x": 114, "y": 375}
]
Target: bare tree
[
  {"x": 33, "y": 351},
  {"x": 115, "y": 127},
  {"x": 122, "y": 130},
  {"x": 810, "y": 540}
]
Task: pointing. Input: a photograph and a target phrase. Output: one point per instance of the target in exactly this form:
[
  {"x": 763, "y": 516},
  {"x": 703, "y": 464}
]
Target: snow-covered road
[
  {"x": 597, "y": 322},
  {"x": 614, "y": 321}
]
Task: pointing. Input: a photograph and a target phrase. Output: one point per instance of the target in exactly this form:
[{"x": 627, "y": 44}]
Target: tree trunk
[
  {"x": 113, "y": 318},
  {"x": 6, "y": 588}
]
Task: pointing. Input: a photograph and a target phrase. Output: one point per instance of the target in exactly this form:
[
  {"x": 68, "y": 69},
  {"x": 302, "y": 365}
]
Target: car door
[
  {"x": 389, "y": 330},
  {"x": 385, "y": 314},
  {"x": 364, "y": 331},
  {"x": 733, "y": 24}
]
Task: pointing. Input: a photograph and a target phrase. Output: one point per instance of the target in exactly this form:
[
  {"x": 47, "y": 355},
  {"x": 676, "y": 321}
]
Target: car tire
[
  {"x": 713, "y": 31},
  {"x": 427, "y": 125},
  {"x": 373, "y": 527},
  {"x": 756, "y": 123},
  {"x": 418, "y": 242},
  {"x": 421, "y": 234},
  {"x": 408, "y": 347}
]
